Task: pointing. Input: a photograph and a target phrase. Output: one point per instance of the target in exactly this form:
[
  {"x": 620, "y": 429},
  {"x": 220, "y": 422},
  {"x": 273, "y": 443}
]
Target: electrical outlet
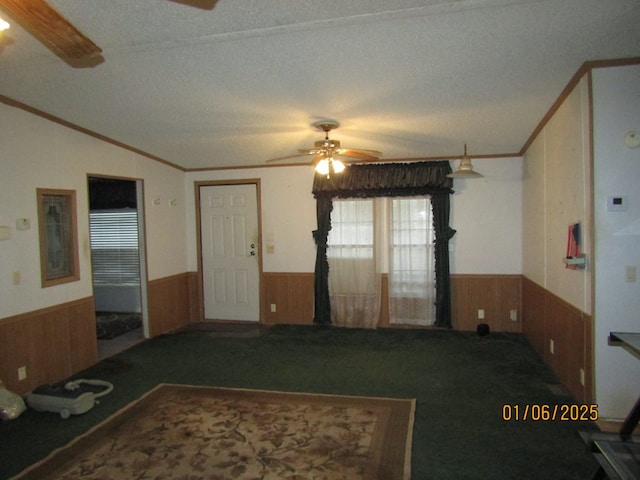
[
  {"x": 480, "y": 314},
  {"x": 16, "y": 277},
  {"x": 22, "y": 373},
  {"x": 513, "y": 315},
  {"x": 551, "y": 345},
  {"x": 273, "y": 308}
]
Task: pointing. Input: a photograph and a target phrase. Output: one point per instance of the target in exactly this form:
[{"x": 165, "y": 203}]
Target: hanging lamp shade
[{"x": 465, "y": 169}]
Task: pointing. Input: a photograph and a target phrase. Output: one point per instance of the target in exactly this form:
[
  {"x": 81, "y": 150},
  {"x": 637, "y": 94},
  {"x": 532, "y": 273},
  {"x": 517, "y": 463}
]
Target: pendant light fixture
[{"x": 465, "y": 169}]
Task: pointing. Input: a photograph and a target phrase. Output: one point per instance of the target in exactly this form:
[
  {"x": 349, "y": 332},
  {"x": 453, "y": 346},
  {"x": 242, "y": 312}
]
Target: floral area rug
[{"x": 191, "y": 432}]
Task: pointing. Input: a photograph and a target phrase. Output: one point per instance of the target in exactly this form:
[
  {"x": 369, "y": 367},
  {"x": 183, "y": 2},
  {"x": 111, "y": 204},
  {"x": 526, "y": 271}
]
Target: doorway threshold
[{"x": 110, "y": 347}]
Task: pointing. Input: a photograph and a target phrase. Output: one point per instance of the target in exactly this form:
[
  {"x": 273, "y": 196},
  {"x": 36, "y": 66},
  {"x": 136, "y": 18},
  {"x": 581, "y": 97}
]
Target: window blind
[{"x": 114, "y": 247}]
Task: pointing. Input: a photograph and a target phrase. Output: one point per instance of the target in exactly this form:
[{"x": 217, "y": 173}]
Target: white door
[{"x": 230, "y": 267}]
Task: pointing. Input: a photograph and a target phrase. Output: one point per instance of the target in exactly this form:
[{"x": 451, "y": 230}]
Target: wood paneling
[
  {"x": 547, "y": 318},
  {"x": 292, "y": 294},
  {"x": 533, "y": 315},
  {"x": 172, "y": 302},
  {"x": 497, "y": 295},
  {"x": 53, "y": 343},
  {"x": 58, "y": 341},
  {"x": 383, "y": 319}
]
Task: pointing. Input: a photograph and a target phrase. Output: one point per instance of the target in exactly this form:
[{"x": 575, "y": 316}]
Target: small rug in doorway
[
  {"x": 110, "y": 325},
  {"x": 181, "y": 431}
]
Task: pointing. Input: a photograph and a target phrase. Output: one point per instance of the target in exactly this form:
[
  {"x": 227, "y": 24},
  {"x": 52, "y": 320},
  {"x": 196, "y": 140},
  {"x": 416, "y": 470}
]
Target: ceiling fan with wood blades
[
  {"x": 325, "y": 152},
  {"x": 59, "y": 35}
]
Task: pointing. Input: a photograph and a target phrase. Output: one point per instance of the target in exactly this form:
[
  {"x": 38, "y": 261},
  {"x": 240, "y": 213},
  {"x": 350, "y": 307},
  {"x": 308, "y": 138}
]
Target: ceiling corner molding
[
  {"x": 52, "y": 118},
  {"x": 584, "y": 69}
]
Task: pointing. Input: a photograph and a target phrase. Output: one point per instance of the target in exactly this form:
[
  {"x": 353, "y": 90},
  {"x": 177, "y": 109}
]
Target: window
[
  {"x": 354, "y": 278},
  {"x": 114, "y": 247},
  {"x": 352, "y": 229},
  {"x": 398, "y": 180},
  {"x": 411, "y": 262},
  {"x": 364, "y": 241},
  {"x": 58, "y": 236}
]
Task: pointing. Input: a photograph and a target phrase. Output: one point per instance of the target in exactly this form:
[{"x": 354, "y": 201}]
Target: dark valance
[{"x": 386, "y": 180}]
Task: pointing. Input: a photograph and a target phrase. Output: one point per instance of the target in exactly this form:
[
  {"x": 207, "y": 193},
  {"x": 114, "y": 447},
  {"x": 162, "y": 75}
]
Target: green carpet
[{"x": 460, "y": 383}]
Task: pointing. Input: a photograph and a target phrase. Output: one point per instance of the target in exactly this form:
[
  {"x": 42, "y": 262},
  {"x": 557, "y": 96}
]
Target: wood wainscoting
[
  {"x": 290, "y": 295},
  {"x": 173, "y": 302},
  {"x": 547, "y": 319},
  {"x": 56, "y": 342},
  {"x": 52, "y": 343},
  {"x": 499, "y": 296}
]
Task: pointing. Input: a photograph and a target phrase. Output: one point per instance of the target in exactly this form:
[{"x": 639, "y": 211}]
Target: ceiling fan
[
  {"x": 325, "y": 152},
  {"x": 61, "y": 36}
]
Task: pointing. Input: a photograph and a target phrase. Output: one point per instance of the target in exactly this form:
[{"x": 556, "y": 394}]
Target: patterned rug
[{"x": 191, "y": 432}]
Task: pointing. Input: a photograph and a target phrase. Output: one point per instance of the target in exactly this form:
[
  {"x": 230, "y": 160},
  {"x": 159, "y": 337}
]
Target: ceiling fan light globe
[
  {"x": 323, "y": 167},
  {"x": 337, "y": 166}
]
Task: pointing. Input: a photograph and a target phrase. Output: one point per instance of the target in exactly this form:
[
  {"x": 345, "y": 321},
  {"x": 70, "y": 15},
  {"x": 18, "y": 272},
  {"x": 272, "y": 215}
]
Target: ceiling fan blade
[
  {"x": 360, "y": 151},
  {"x": 203, "y": 4},
  {"x": 287, "y": 157},
  {"x": 51, "y": 28},
  {"x": 308, "y": 151},
  {"x": 357, "y": 155}
]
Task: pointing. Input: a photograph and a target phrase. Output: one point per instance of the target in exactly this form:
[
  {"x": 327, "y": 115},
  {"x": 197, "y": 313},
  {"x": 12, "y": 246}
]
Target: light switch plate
[
  {"x": 5, "y": 232},
  {"x": 630, "y": 273}
]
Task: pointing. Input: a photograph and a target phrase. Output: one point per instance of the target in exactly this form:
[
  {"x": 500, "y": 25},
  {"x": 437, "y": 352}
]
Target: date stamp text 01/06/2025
[{"x": 542, "y": 413}]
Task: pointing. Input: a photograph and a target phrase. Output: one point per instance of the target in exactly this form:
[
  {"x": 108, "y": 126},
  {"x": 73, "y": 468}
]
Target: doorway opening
[{"x": 116, "y": 227}]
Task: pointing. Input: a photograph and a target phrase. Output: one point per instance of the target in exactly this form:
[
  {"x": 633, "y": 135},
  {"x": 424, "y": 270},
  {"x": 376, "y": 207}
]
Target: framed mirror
[{"x": 57, "y": 222}]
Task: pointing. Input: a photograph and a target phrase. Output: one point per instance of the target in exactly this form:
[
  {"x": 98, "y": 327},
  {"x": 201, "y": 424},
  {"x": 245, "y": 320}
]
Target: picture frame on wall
[{"x": 57, "y": 223}]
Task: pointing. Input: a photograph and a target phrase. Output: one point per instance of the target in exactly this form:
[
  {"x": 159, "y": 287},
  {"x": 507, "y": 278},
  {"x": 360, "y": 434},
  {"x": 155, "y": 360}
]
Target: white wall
[
  {"x": 38, "y": 153},
  {"x": 486, "y": 212},
  {"x": 556, "y": 194},
  {"x": 288, "y": 214},
  {"x": 487, "y": 216},
  {"x": 617, "y": 236}
]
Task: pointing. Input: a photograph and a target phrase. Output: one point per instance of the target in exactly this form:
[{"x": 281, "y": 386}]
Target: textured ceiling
[{"x": 244, "y": 82}]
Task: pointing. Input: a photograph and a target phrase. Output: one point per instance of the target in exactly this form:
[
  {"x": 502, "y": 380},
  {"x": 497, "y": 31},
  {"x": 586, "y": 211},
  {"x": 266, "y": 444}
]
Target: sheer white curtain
[
  {"x": 354, "y": 277},
  {"x": 411, "y": 262}
]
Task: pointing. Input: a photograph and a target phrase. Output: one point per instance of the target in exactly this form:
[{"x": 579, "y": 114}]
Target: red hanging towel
[{"x": 573, "y": 244}]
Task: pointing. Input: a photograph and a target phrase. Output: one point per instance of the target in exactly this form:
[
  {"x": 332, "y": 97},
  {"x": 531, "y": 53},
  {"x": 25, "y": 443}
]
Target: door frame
[
  {"x": 216, "y": 183},
  {"x": 142, "y": 245}
]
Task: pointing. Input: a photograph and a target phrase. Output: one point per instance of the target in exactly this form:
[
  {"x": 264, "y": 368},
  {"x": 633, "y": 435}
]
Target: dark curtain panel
[
  {"x": 443, "y": 232},
  {"x": 322, "y": 303},
  {"x": 386, "y": 180}
]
